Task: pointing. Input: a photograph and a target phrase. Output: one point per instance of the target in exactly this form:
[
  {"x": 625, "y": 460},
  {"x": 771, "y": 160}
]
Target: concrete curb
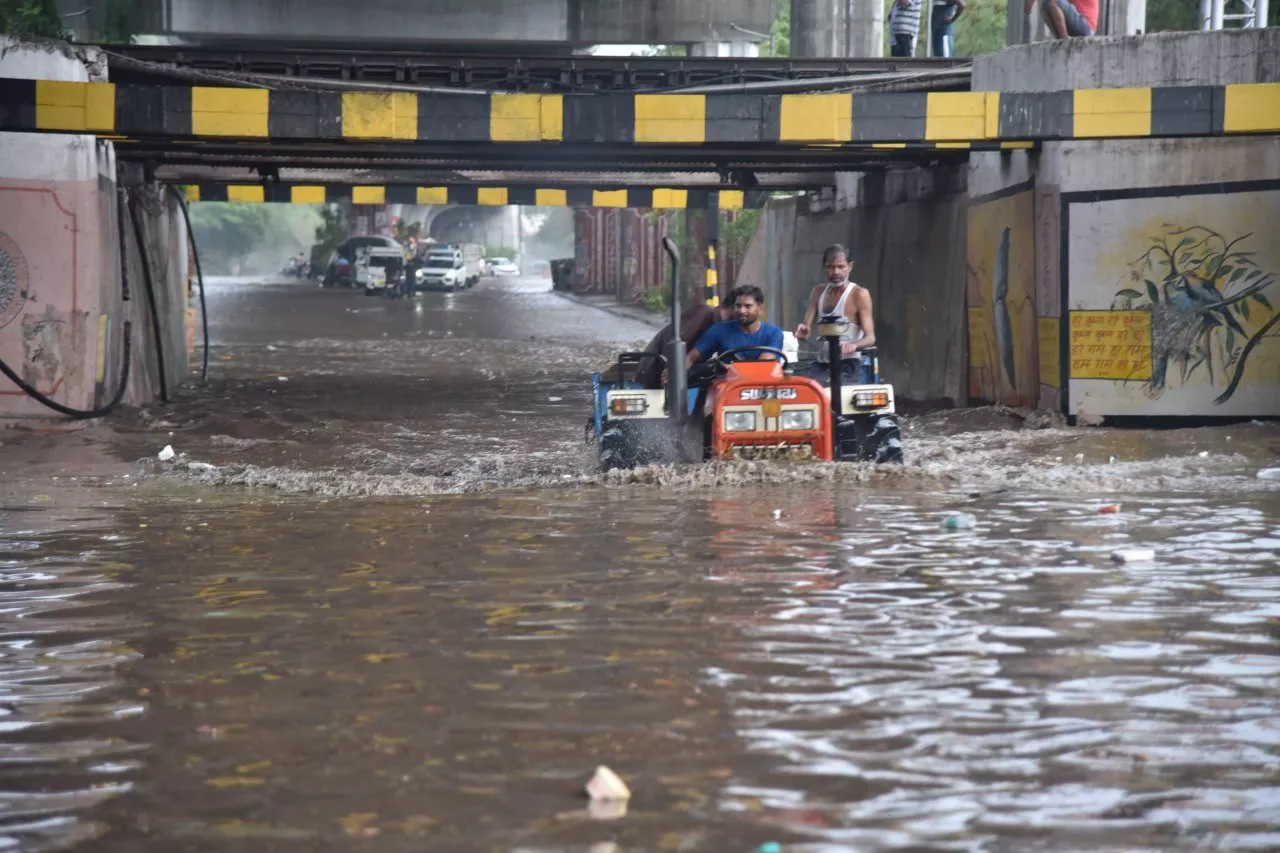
[{"x": 610, "y": 306}]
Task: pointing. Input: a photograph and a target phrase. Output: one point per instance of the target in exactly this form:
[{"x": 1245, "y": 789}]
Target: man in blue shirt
[{"x": 744, "y": 330}]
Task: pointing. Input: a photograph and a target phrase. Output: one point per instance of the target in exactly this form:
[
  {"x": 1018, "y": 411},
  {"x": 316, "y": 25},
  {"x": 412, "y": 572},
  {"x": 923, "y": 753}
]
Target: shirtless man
[{"x": 841, "y": 296}]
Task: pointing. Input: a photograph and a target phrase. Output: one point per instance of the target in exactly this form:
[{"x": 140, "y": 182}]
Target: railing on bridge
[{"x": 559, "y": 74}]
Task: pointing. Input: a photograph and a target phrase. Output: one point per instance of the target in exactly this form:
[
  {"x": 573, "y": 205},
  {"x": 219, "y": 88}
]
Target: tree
[
  {"x": 781, "y": 31},
  {"x": 119, "y": 21},
  {"x": 30, "y": 18},
  {"x": 238, "y": 238},
  {"x": 329, "y": 234},
  {"x": 981, "y": 29}
]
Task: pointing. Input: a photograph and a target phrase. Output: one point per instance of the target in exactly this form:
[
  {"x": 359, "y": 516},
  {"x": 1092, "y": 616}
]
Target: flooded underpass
[{"x": 383, "y": 602}]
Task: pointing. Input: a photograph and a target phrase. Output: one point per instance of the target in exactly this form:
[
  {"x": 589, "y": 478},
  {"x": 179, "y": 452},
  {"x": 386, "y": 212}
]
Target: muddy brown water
[{"x": 391, "y": 607}]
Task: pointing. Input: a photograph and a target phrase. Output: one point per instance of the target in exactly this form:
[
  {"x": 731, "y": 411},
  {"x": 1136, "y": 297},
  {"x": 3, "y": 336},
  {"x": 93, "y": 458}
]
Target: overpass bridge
[
  {"x": 557, "y": 132},
  {"x": 308, "y": 136}
]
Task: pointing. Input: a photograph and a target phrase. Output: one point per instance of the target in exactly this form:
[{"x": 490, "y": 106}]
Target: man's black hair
[
  {"x": 748, "y": 290},
  {"x": 835, "y": 250}
]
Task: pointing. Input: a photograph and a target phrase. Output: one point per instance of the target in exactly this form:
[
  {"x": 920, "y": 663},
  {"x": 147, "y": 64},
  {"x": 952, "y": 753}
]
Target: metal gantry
[{"x": 1214, "y": 14}]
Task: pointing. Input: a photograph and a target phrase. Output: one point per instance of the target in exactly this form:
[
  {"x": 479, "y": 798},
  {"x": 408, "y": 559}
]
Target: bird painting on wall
[{"x": 1000, "y": 311}]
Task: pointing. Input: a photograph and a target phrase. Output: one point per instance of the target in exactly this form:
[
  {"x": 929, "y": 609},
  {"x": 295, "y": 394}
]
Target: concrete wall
[
  {"x": 165, "y": 237},
  {"x": 906, "y": 235},
  {"x": 1158, "y": 59},
  {"x": 1128, "y": 277},
  {"x": 60, "y": 306},
  {"x": 580, "y": 22}
]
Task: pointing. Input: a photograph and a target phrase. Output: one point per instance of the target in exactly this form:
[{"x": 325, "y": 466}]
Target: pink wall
[{"x": 52, "y": 272}]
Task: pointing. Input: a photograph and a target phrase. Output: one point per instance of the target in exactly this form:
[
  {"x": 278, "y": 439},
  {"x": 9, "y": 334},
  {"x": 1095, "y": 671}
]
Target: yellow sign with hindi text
[{"x": 1111, "y": 345}]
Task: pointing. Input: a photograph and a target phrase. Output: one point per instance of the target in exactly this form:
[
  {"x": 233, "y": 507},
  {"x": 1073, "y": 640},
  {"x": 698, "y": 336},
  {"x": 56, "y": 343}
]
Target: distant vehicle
[
  {"x": 444, "y": 270},
  {"x": 473, "y": 260},
  {"x": 344, "y": 274},
  {"x": 377, "y": 266},
  {"x": 503, "y": 266},
  {"x": 451, "y": 267}
]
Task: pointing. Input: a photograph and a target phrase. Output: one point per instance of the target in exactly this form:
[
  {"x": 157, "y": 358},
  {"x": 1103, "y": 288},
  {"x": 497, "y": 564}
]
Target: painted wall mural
[
  {"x": 1003, "y": 332},
  {"x": 1173, "y": 302}
]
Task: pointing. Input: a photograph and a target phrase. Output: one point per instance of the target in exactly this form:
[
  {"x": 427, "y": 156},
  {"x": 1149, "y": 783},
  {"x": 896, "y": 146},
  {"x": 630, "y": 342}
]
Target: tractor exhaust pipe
[
  {"x": 677, "y": 380},
  {"x": 831, "y": 328}
]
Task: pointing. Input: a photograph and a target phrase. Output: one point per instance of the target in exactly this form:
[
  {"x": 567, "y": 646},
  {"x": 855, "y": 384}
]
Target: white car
[
  {"x": 375, "y": 266},
  {"x": 503, "y": 266}
]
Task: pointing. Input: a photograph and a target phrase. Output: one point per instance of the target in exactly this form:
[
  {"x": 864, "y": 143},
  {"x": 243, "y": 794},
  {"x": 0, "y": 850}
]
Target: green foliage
[
  {"x": 781, "y": 31},
  {"x": 330, "y": 233},
  {"x": 492, "y": 252},
  {"x": 1176, "y": 15},
  {"x": 657, "y": 299},
  {"x": 30, "y": 18},
  {"x": 736, "y": 232},
  {"x": 1171, "y": 15},
  {"x": 981, "y": 29},
  {"x": 118, "y": 21},
  {"x": 404, "y": 231},
  {"x": 240, "y": 238}
]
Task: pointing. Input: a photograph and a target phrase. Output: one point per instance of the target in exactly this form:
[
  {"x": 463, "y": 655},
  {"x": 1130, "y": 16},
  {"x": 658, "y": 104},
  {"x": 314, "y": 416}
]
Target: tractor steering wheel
[{"x": 719, "y": 359}]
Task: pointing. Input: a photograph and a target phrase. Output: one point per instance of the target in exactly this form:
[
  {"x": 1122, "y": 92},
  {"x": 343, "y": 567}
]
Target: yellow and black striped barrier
[
  {"x": 473, "y": 194},
  {"x": 945, "y": 119}
]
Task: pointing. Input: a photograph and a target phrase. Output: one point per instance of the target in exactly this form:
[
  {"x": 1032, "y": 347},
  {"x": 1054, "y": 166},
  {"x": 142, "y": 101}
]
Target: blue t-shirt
[{"x": 728, "y": 335}]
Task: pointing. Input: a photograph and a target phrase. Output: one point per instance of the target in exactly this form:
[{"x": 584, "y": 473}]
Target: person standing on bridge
[
  {"x": 1068, "y": 18},
  {"x": 840, "y": 296},
  {"x": 904, "y": 27},
  {"x": 945, "y": 12}
]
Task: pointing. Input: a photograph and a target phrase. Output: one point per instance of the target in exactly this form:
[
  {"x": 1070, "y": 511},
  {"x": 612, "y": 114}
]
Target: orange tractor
[{"x": 743, "y": 409}]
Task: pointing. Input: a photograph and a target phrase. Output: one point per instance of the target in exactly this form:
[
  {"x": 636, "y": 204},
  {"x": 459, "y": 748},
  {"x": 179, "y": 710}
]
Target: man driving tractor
[{"x": 746, "y": 329}]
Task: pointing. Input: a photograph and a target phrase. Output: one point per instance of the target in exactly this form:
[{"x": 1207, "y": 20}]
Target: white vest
[{"x": 855, "y": 332}]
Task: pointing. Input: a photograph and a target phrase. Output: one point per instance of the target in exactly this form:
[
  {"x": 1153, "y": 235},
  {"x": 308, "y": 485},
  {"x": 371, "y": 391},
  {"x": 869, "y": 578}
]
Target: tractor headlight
[
  {"x": 870, "y": 399},
  {"x": 739, "y": 421},
  {"x": 628, "y": 405},
  {"x": 797, "y": 419}
]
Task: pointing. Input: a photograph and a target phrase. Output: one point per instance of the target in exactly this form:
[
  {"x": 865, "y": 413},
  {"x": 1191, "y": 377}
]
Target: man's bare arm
[
  {"x": 810, "y": 316},
  {"x": 865, "y": 320}
]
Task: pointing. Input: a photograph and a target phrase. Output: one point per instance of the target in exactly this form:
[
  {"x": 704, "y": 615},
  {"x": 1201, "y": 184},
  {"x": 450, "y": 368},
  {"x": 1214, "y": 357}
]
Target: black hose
[
  {"x": 151, "y": 300},
  {"x": 204, "y": 315},
  {"x": 79, "y": 414}
]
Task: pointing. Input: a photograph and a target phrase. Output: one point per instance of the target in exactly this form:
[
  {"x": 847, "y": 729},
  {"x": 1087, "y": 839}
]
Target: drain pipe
[
  {"x": 149, "y": 283},
  {"x": 195, "y": 253}
]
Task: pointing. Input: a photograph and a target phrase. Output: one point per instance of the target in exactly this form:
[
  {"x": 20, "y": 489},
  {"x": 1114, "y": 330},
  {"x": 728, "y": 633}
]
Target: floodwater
[{"x": 383, "y": 603}]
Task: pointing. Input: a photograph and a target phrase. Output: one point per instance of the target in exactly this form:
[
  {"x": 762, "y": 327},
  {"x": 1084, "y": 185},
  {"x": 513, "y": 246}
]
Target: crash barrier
[
  {"x": 471, "y": 194},
  {"x": 945, "y": 119}
]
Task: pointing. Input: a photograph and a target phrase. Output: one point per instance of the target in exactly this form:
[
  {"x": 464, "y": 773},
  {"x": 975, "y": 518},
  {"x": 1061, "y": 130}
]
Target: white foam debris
[{"x": 607, "y": 785}]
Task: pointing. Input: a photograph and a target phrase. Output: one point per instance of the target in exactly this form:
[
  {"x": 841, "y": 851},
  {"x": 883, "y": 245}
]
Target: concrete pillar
[
  {"x": 864, "y": 28},
  {"x": 825, "y": 28},
  {"x": 817, "y": 28}
]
